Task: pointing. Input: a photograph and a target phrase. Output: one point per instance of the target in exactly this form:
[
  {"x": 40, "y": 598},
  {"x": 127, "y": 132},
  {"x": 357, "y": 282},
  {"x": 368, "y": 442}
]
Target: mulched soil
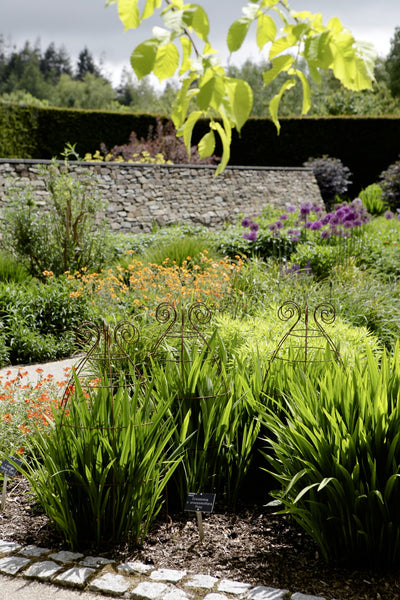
[{"x": 253, "y": 545}]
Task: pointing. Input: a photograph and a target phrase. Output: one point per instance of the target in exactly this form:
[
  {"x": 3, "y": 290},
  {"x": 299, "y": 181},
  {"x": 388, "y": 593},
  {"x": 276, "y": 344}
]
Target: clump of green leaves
[
  {"x": 371, "y": 198},
  {"x": 99, "y": 470},
  {"x": 336, "y": 454}
]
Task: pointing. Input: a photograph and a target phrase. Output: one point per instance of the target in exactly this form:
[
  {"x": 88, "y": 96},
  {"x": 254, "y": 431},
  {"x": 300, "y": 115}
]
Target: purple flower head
[
  {"x": 272, "y": 227},
  {"x": 398, "y": 217},
  {"x": 254, "y": 227},
  {"x": 305, "y": 209},
  {"x": 308, "y": 224},
  {"x": 251, "y": 236},
  {"x": 290, "y": 208},
  {"x": 325, "y": 234},
  {"x": 389, "y": 215},
  {"x": 357, "y": 202},
  {"x": 326, "y": 218},
  {"x": 316, "y": 225},
  {"x": 317, "y": 209},
  {"x": 357, "y": 222},
  {"x": 246, "y": 222},
  {"x": 348, "y": 224},
  {"x": 279, "y": 224},
  {"x": 283, "y": 217},
  {"x": 334, "y": 220}
]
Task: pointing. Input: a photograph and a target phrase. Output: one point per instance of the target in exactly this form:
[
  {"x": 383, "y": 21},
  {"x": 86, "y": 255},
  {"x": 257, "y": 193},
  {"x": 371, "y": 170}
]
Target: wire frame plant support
[{"x": 306, "y": 342}]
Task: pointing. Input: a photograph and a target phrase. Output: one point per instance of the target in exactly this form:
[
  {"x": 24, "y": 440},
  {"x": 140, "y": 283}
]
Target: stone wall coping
[{"x": 114, "y": 164}]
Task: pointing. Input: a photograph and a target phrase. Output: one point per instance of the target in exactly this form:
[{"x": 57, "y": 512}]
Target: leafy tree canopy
[{"x": 300, "y": 46}]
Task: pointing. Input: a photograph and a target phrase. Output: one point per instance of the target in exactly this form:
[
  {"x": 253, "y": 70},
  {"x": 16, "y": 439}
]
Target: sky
[{"x": 74, "y": 24}]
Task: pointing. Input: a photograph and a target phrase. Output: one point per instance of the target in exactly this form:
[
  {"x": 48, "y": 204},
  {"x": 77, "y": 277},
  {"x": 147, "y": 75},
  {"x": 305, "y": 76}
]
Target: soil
[{"x": 252, "y": 545}]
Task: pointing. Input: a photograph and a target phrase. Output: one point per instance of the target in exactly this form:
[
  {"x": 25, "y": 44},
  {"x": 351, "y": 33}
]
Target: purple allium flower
[
  {"x": 283, "y": 217},
  {"x": 272, "y": 227},
  {"x": 246, "y": 222},
  {"x": 357, "y": 222},
  {"x": 308, "y": 224},
  {"x": 254, "y": 227},
  {"x": 325, "y": 234},
  {"x": 279, "y": 224},
  {"x": 326, "y": 218},
  {"x": 388, "y": 215},
  {"x": 348, "y": 224},
  {"x": 251, "y": 236},
  {"x": 357, "y": 202},
  {"x": 398, "y": 217},
  {"x": 290, "y": 208},
  {"x": 317, "y": 209},
  {"x": 316, "y": 225},
  {"x": 305, "y": 209},
  {"x": 334, "y": 220}
]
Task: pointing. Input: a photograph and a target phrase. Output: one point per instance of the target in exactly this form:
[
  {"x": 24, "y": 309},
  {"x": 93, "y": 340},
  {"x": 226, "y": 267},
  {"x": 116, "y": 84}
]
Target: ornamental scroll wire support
[
  {"x": 105, "y": 370},
  {"x": 199, "y": 388},
  {"x": 181, "y": 336},
  {"x": 310, "y": 342}
]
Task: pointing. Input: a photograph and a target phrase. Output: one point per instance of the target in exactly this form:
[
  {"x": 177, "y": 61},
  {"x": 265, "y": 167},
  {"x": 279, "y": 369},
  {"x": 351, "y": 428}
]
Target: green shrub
[
  {"x": 63, "y": 237},
  {"x": 336, "y": 455},
  {"x": 99, "y": 471},
  {"x": 371, "y": 197},
  {"x": 39, "y": 320},
  {"x": 11, "y": 269}
]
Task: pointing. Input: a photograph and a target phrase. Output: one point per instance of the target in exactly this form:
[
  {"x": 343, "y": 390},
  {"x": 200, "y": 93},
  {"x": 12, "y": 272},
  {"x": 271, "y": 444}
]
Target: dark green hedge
[{"x": 367, "y": 145}]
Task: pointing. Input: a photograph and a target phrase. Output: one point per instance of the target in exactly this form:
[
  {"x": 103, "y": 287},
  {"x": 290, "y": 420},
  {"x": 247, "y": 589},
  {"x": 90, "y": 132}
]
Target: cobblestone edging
[
  {"x": 128, "y": 580},
  {"x": 140, "y": 195}
]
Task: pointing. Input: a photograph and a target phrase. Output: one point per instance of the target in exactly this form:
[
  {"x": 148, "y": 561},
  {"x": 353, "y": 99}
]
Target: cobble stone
[
  {"x": 34, "y": 551},
  {"x": 8, "y": 547},
  {"x": 300, "y": 596},
  {"x": 202, "y": 581},
  {"x": 43, "y": 570},
  {"x": 171, "y": 575},
  {"x": 150, "y": 590},
  {"x": 261, "y": 592},
  {"x": 10, "y": 565},
  {"x": 76, "y": 576},
  {"x": 65, "y": 557},
  {"x": 110, "y": 583},
  {"x": 233, "y": 587}
]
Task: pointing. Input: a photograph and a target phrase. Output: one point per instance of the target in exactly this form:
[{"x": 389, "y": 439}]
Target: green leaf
[
  {"x": 211, "y": 93},
  {"x": 143, "y": 58},
  {"x": 266, "y": 30},
  {"x": 166, "y": 62},
  {"x": 280, "y": 45},
  {"x": 237, "y": 33},
  {"x": 306, "y": 91},
  {"x": 274, "y": 104},
  {"x": 206, "y": 146},
  {"x": 279, "y": 64},
  {"x": 241, "y": 98},
  {"x": 186, "y": 52},
  {"x": 128, "y": 12},
  {"x": 225, "y": 137},
  {"x": 317, "y": 50},
  {"x": 196, "y": 17},
  {"x": 150, "y": 7},
  {"x": 188, "y": 128}
]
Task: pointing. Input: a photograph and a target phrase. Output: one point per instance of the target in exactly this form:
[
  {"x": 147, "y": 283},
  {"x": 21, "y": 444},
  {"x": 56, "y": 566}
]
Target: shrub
[
  {"x": 371, "y": 197},
  {"x": 336, "y": 454},
  {"x": 161, "y": 144},
  {"x": 65, "y": 236},
  {"x": 39, "y": 320},
  {"x": 390, "y": 183},
  {"x": 333, "y": 178}
]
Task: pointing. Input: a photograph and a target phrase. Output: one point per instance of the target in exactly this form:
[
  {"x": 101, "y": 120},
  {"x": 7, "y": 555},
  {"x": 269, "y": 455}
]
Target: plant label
[
  {"x": 9, "y": 469},
  {"x": 201, "y": 502}
]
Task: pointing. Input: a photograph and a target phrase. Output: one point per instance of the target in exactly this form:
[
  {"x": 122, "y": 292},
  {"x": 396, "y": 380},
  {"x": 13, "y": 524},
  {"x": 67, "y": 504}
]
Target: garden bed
[{"x": 252, "y": 545}]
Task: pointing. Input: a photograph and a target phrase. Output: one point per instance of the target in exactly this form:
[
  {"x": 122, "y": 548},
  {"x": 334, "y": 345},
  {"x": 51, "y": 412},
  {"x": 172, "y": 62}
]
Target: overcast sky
[{"x": 75, "y": 24}]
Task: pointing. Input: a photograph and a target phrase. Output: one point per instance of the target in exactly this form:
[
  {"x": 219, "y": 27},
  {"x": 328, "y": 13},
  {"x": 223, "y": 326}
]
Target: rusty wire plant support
[
  {"x": 183, "y": 330},
  {"x": 310, "y": 338},
  {"x": 103, "y": 350}
]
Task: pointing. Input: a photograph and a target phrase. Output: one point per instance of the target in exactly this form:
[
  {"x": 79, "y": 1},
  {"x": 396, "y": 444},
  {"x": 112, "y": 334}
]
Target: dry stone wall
[{"x": 139, "y": 196}]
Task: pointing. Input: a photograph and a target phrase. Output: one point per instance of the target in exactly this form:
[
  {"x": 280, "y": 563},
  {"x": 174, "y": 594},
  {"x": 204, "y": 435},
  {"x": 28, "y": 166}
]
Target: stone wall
[{"x": 140, "y": 195}]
